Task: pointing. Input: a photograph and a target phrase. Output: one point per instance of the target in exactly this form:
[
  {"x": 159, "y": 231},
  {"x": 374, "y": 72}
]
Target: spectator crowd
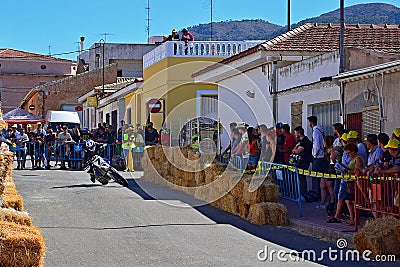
[
  {"x": 344, "y": 152},
  {"x": 64, "y": 144}
]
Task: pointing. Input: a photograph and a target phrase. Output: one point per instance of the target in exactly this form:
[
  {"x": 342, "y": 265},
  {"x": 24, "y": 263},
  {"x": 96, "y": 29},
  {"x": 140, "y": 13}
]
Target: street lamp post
[{"x": 102, "y": 42}]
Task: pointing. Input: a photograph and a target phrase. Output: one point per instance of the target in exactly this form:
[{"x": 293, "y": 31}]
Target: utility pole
[
  {"x": 148, "y": 19},
  {"x": 341, "y": 41},
  {"x": 102, "y": 42},
  {"x": 211, "y": 19},
  {"x": 289, "y": 27}
]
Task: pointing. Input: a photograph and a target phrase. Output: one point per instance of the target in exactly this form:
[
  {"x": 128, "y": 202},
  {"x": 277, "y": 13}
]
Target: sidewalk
[{"x": 314, "y": 223}]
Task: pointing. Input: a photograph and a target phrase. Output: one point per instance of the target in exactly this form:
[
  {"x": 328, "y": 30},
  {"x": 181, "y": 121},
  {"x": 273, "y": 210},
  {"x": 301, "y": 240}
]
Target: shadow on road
[
  {"x": 83, "y": 186},
  {"x": 284, "y": 236},
  {"x": 127, "y": 227}
]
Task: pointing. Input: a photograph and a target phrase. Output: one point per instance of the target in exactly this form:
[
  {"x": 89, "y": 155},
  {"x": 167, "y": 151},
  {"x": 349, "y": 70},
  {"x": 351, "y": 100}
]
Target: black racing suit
[{"x": 89, "y": 154}]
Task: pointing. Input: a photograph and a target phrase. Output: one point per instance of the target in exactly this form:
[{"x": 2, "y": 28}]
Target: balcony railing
[{"x": 221, "y": 49}]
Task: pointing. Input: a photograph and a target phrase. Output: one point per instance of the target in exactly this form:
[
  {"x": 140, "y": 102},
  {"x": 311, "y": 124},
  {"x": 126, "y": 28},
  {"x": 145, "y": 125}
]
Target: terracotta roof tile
[
  {"x": 8, "y": 53},
  {"x": 325, "y": 38}
]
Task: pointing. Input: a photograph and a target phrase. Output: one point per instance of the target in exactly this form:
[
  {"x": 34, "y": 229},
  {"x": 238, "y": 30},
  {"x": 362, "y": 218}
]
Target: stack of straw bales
[
  {"x": 21, "y": 244},
  {"x": 381, "y": 236},
  {"x": 251, "y": 197}
]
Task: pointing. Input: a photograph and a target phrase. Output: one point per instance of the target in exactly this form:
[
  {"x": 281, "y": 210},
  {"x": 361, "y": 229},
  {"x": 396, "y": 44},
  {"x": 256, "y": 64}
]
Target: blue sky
[{"x": 35, "y": 25}]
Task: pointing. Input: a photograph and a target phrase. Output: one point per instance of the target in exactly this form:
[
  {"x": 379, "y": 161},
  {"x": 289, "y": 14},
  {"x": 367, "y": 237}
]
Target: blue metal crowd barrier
[
  {"x": 71, "y": 152},
  {"x": 287, "y": 178}
]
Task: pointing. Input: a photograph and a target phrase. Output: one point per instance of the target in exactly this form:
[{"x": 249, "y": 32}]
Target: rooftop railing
[{"x": 217, "y": 49}]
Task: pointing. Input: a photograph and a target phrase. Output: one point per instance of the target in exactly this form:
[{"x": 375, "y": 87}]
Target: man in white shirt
[
  {"x": 21, "y": 139},
  {"x": 64, "y": 137}
]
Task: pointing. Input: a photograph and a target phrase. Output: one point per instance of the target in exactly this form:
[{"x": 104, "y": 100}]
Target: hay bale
[
  {"x": 229, "y": 203},
  {"x": 200, "y": 178},
  {"x": 213, "y": 171},
  {"x": 150, "y": 152},
  {"x": 18, "y": 217},
  {"x": 257, "y": 190},
  {"x": 13, "y": 201},
  {"x": 242, "y": 209},
  {"x": 268, "y": 213},
  {"x": 237, "y": 189},
  {"x": 10, "y": 191},
  {"x": 381, "y": 236},
  {"x": 21, "y": 245}
]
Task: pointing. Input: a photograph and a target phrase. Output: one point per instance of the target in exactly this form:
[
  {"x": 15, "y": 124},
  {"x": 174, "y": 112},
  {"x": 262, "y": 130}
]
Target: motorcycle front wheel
[{"x": 114, "y": 174}]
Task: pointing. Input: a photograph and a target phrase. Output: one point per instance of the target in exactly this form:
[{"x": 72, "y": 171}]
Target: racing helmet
[{"x": 90, "y": 145}]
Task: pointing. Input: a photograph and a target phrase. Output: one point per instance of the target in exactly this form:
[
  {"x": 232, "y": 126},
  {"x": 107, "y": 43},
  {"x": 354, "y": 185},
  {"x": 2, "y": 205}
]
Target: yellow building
[{"x": 167, "y": 74}]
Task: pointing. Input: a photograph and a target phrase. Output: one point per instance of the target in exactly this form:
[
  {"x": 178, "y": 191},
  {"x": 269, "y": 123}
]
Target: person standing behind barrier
[
  {"x": 39, "y": 135},
  {"x": 303, "y": 149},
  {"x": 64, "y": 137},
  {"x": 327, "y": 183},
  {"x": 341, "y": 165},
  {"x": 243, "y": 148},
  {"x": 383, "y": 140},
  {"x": 355, "y": 166},
  {"x": 289, "y": 144},
  {"x": 319, "y": 162},
  {"x": 263, "y": 142},
  {"x": 280, "y": 141},
  {"x": 394, "y": 165},
  {"x": 151, "y": 135},
  {"x": 229, "y": 148},
  {"x": 362, "y": 150},
  {"x": 375, "y": 154},
  {"x": 338, "y": 130},
  {"x": 21, "y": 140},
  {"x": 396, "y": 134},
  {"x": 49, "y": 139},
  {"x": 127, "y": 146},
  {"x": 254, "y": 156},
  {"x": 31, "y": 144}
]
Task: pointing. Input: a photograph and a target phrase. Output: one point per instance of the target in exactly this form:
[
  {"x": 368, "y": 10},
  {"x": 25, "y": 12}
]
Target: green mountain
[
  {"x": 236, "y": 30},
  {"x": 374, "y": 13}
]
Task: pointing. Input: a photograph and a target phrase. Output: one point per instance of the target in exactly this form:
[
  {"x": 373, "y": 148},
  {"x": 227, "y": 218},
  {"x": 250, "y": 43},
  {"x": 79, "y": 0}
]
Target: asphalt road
[{"x": 87, "y": 224}]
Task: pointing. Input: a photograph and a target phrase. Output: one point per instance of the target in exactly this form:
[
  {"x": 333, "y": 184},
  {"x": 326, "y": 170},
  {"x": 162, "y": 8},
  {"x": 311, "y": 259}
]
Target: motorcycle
[{"x": 102, "y": 169}]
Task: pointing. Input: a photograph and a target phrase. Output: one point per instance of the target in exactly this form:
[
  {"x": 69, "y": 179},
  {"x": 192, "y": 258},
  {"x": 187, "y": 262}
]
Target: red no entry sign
[{"x": 154, "y": 105}]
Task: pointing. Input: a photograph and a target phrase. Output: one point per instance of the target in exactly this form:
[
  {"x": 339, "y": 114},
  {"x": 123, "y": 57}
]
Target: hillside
[
  {"x": 374, "y": 13},
  {"x": 236, "y": 30}
]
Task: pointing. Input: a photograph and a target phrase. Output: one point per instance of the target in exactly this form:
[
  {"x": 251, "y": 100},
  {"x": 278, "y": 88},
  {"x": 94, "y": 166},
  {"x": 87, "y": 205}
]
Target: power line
[{"x": 58, "y": 54}]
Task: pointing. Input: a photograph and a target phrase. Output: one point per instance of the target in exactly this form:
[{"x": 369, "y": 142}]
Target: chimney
[{"x": 82, "y": 43}]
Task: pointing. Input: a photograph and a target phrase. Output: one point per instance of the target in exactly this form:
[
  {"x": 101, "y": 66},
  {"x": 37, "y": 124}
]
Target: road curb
[{"x": 322, "y": 232}]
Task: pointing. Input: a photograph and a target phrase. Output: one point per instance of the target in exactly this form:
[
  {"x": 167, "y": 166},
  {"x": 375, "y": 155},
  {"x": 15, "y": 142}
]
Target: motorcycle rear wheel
[{"x": 113, "y": 173}]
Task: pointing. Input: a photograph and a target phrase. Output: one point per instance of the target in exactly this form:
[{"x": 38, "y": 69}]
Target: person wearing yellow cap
[
  {"x": 396, "y": 134},
  {"x": 352, "y": 137},
  {"x": 174, "y": 36},
  {"x": 394, "y": 165}
]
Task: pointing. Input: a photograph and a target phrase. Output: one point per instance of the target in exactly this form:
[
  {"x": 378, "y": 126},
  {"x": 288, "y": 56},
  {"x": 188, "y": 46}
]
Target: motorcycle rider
[{"x": 91, "y": 148}]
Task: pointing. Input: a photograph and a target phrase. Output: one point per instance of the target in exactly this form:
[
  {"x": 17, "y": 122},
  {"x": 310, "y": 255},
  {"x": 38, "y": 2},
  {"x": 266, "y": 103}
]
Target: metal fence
[
  {"x": 70, "y": 152},
  {"x": 379, "y": 195},
  {"x": 287, "y": 178}
]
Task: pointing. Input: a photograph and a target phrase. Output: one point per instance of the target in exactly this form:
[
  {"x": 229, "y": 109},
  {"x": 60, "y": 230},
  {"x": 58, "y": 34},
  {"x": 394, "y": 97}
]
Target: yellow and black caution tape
[{"x": 347, "y": 177}]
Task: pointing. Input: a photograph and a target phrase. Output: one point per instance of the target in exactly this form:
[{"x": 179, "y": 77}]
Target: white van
[{"x": 55, "y": 118}]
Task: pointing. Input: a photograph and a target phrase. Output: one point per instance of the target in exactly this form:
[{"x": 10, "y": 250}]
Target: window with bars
[
  {"x": 209, "y": 105},
  {"x": 328, "y": 113},
  {"x": 296, "y": 114}
]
